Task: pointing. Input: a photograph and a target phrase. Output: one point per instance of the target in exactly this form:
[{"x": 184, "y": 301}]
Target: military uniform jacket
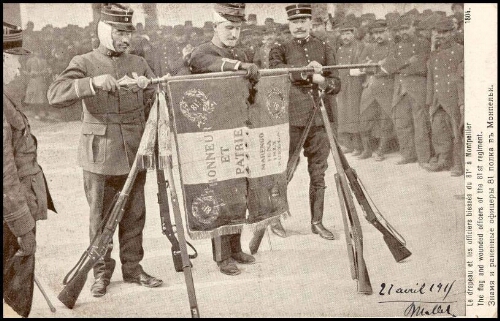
[
  {"x": 299, "y": 53},
  {"x": 207, "y": 57},
  {"x": 352, "y": 86},
  {"x": 169, "y": 60},
  {"x": 25, "y": 196},
  {"x": 411, "y": 78},
  {"x": 113, "y": 123},
  {"x": 379, "y": 84},
  {"x": 444, "y": 79}
]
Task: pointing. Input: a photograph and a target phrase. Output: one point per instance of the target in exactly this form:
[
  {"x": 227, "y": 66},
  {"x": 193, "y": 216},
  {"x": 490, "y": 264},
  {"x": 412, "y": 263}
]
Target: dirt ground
[{"x": 298, "y": 276}]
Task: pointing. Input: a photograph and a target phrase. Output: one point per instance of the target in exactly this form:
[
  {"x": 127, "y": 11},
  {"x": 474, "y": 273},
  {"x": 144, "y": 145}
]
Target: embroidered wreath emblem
[
  {"x": 196, "y": 107},
  {"x": 206, "y": 207},
  {"x": 275, "y": 103}
]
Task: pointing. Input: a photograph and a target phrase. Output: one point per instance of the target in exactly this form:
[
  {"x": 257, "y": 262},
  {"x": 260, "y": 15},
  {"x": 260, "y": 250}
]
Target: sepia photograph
[{"x": 238, "y": 160}]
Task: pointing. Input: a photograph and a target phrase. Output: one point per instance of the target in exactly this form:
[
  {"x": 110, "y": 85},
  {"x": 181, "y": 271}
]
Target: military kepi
[
  {"x": 13, "y": 40},
  {"x": 234, "y": 12},
  {"x": 299, "y": 10},
  {"x": 444, "y": 24},
  {"x": 378, "y": 25},
  {"x": 118, "y": 16}
]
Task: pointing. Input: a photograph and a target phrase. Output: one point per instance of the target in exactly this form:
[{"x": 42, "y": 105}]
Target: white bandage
[
  {"x": 217, "y": 18},
  {"x": 104, "y": 34}
]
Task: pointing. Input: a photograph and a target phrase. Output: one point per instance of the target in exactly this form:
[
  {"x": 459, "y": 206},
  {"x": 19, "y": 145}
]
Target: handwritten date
[{"x": 444, "y": 288}]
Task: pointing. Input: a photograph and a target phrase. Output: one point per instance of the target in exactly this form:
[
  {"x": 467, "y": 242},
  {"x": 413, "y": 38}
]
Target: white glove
[
  {"x": 318, "y": 79},
  {"x": 106, "y": 83},
  {"x": 316, "y": 65},
  {"x": 355, "y": 72}
]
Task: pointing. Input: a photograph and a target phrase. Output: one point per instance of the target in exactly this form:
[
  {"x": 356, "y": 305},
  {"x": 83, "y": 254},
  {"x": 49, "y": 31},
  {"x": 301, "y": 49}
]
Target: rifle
[
  {"x": 179, "y": 249},
  {"x": 354, "y": 234},
  {"x": 394, "y": 241},
  {"x": 99, "y": 245}
]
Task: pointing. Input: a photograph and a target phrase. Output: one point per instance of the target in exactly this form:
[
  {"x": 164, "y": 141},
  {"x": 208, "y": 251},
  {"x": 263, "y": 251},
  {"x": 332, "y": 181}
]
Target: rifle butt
[
  {"x": 398, "y": 250},
  {"x": 364, "y": 284},
  {"x": 73, "y": 288},
  {"x": 256, "y": 240}
]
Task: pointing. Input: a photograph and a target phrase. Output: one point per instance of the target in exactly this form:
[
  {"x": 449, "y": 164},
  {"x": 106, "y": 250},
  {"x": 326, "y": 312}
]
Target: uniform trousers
[
  {"x": 376, "y": 121},
  {"x": 226, "y": 245},
  {"x": 100, "y": 190},
  {"x": 411, "y": 121},
  {"x": 447, "y": 139},
  {"x": 316, "y": 149}
]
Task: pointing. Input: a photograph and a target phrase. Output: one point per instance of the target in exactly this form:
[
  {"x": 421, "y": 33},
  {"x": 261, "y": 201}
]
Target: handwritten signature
[{"x": 417, "y": 308}]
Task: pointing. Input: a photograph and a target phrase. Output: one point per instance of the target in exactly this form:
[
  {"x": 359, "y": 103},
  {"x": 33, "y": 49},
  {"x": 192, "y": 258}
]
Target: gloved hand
[
  {"x": 355, "y": 72},
  {"x": 27, "y": 244},
  {"x": 106, "y": 83},
  {"x": 317, "y": 67},
  {"x": 318, "y": 79},
  {"x": 186, "y": 51},
  {"x": 252, "y": 71}
]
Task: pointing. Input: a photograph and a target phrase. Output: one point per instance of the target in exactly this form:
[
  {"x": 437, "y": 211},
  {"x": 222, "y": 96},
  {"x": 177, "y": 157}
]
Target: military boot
[
  {"x": 367, "y": 151},
  {"x": 102, "y": 275},
  {"x": 316, "y": 202}
]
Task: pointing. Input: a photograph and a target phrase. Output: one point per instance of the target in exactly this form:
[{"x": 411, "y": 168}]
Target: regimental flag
[{"x": 232, "y": 154}]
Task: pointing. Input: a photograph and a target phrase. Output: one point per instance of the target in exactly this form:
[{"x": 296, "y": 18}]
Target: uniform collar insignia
[
  {"x": 107, "y": 52},
  {"x": 302, "y": 41}
]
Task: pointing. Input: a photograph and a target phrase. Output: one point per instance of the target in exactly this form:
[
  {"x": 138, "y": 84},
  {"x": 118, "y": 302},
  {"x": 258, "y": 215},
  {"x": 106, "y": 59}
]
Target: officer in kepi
[
  {"x": 113, "y": 124},
  {"x": 301, "y": 51},
  {"x": 221, "y": 54},
  {"x": 26, "y": 197}
]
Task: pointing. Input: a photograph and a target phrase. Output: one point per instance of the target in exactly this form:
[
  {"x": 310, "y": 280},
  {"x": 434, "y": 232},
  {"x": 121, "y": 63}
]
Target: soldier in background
[
  {"x": 26, "y": 197},
  {"x": 221, "y": 54},
  {"x": 113, "y": 124},
  {"x": 172, "y": 57},
  {"x": 348, "y": 99},
  {"x": 376, "y": 100},
  {"x": 307, "y": 50},
  {"x": 410, "y": 115},
  {"x": 444, "y": 82}
]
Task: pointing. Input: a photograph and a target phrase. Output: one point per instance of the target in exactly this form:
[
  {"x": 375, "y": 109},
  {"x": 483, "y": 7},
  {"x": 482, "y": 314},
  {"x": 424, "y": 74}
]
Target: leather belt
[{"x": 132, "y": 117}]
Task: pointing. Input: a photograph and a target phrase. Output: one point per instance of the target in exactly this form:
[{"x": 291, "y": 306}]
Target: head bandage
[
  {"x": 104, "y": 34},
  {"x": 217, "y": 18}
]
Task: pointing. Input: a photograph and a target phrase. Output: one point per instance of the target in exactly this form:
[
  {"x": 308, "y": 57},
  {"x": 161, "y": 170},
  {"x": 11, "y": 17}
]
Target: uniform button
[
  {"x": 413, "y": 45},
  {"x": 448, "y": 82},
  {"x": 452, "y": 52},
  {"x": 383, "y": 84},
  {"x": 400, "y": 47},
  {"x": 399, "y": 53},
  {"x": 305, "y": 49},
  {"x": 437, "y": 76},
  {"x": 436, "y": 90}
]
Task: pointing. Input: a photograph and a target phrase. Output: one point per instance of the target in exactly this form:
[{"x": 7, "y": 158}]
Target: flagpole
[{"x": 144, "y": 82}]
